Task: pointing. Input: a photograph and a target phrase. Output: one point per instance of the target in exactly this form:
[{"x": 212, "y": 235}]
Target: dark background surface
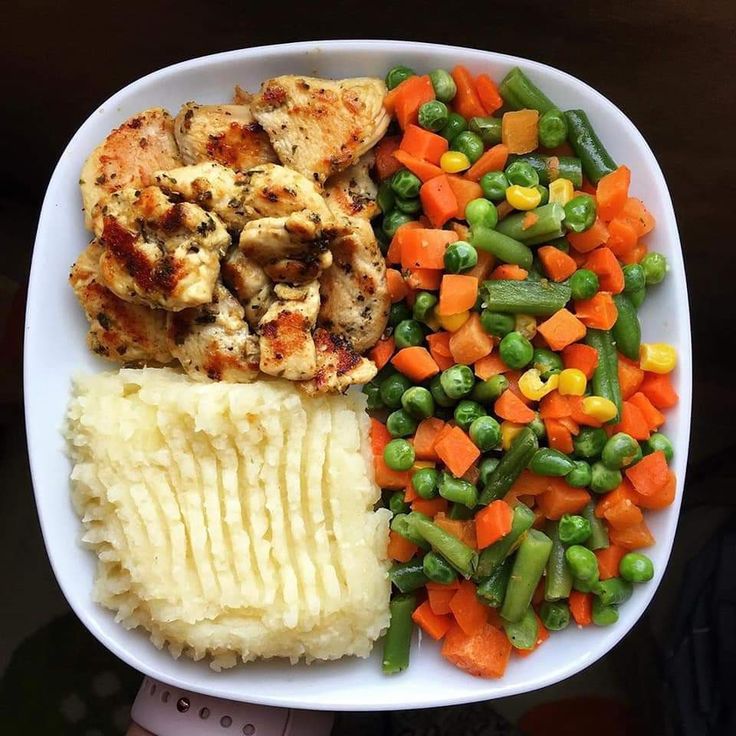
[{"x": 667, "y": 64}]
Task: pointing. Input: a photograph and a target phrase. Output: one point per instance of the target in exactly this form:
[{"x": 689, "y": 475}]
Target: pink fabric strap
[{"x": 169, "y": 711}]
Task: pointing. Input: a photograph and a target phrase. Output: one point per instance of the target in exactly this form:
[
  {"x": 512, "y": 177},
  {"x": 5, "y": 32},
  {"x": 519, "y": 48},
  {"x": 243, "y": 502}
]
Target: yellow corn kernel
[
  {"x": 523, "y": 198},
  {"x": 572, "y": 382},
  {"x": 561, "y": 191},
  {"x": 533, "y": 387},
  {"x": 599, "y": 408},
  {"x": 454, "y": 161},
  {"x": 509, "y": 430},
  {"x": 453, "y": 322},
  {"x": 433, "y": 322},
  {"x": 657, "y": 357},
  {"x": 526, "y": 324}
]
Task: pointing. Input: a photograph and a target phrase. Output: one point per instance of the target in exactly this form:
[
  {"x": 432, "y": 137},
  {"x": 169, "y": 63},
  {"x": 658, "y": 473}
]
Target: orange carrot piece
[
  {"x": 624, "y": 491},
  {"x": 430, "y": 507},
  {"x": 424, "y": 279},
  {"x": 424, "y": 144},
  {"x": 623, "y": 514},
  {"x": 488, "y": 94},
  {"x": 557, "y": 264},
  {"x": 606, "y": 266},
  {"x": 429, "y": 622},
  {"x": 492, "y": 523},
  {"x": 562, "y": 499},
  {"x": 630, "y": 376},
  {"x": 572, "y": 426},
  {"x": 394, "y": 480},
  {"x": 622, "y": 237},
  {"x": 458, "y": 293},
  {"x": 632, "y": 422},
  {"x": 400, "y": 548},
  {"x": 661, "y": 498},
  {"x": 396, "y": 285},
  {"x": 462, "y": 530},
  {"x": 531, "y": 484},
  {"x": 595, "y": 235},
  {"x": 649, "y": 474},
  {"x": 483, "y": 268},
  {"x": 489, "y": 366},
  {"x": 425, "y": 247},
  {"x": 423, "y": 169},
  {"x": 562, "y": 329},
  {"x": 653, "y": 416},
  {"x": 469, "y": 612},
  {"x": 494, "y": 159},
  {"x": 632, "y": 537},
  {"x": 599, "y": 312},
  {"x": 581, "y": 356},
  {"x": 634, "y": 255},
  {"x": 519, "y": 130},
  {"x": 657, "y": 387},
  {"x": 382, "y": 351},
  {"x": 509, "y": 272},
  {"x": 635, "y": 213},
  {"x": 612, "y": 192},
  {"x": 509, "y": 406},
  {"x": 466, "y": 100},
  {"x": 414, "y": 92},
  {"x": 380, "y": 436},
  {"x": 559, "y": 436},
  {"x": 439, "y": 349},
  {"x": 465, "y": 191},
  {"x": 439, "y": 597},
  {"x": 484, "y": 654},
  {"x": 415, "y": 363},
  {"x": 438, "y": 200},
  {"x": 471, "y": 342},
  {"x": 609, "y": 560},
  {"x": 554, "y": 406},
  {"x": 393, "y": 255},
  {"x": 581, "y": 607},
  {"x": 457, "y": 451},
  {"x": 425, "y": 437},
  {"x": 386, "y": 163}
]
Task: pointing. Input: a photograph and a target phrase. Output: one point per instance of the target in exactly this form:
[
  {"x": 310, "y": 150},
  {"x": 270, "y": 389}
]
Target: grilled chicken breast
[
  {"x": 286, "y": 344},
  {"x": 214, "y": 342},
  {"x": 355, "y": 298},
  {"x": 321, "y": 126},
  {"x": 338, "y": 365},
  {"x": 249, "y": 282},
  {"x": 227, "y": 134},
  {"x": 129, "y": 156},
  {"x": 158, "y": 253},
  {"x": 352, "y": 192}
]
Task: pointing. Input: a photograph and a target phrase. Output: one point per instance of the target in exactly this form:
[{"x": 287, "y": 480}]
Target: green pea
[
  {"x": 573, "y": 529},
  {"x": 438, "y": 393},
  {"x": 603, "y": 615},
  {"x": 584, "y": 586},
  {"x": 604, "y": 479},
  {"x": 438, "y": 569},
  {"x": 486, "y": 467},
  {"x": 400, "y": 423},
  {"x": 444, "y": 85},
  {"x": 397, "y": 504},
  {"x": 552, "y": 129},
  {"x": 385, "y": 197},
  {"x": 550, "y": 462},
  {"x": 636, "y": 568},
  {"x": 486, "y": 392},
  {"x": 485, "y": 432},
  {"x": 392, "y": 389},
  {"x": 398, "y": 313},
  {"x": 433, "y": 115},
  {"x": 487, "y": 127},
  {"x": 655, "y": 268},
  {"x": 408, "y": 206},
  {"x": 515, "y": 350},
  {"x": 583, "y": 563},
  {"x": 590, "y": 442},
  {"x": 373, "y": 393},
  {"x": 584, "y": 284},
  {"x": 418, "y": 402},
  {"x": 460, "y": 256},
  {"x": 408, "y": 333},
  {"x": 637, "y": 297},
  {"x": 537, "y": 426},
  {"x": 457, "y": 381},
  {"x": 522, "y": 173},
  {"x": 546, "y": 362},
  {"x": 468, "y": 143},
  {"x": 456, "y": 124},
  {"x": 634, "y": 278},
  {"x": 497, "y": 323},
  {"x": 494, "y": 185},
  {"x": 466, "y": 412},
  {"x": 458, "y": 490},
  {"x": 543, "y": 193},
  {"x": 399, "y": 455},
  {"x": 620, "y": 451},
  {"x": 405, "y": 184},
  {"x": 614, "y": 591},
  {"x": 555, "y": 615},
  {"x": 424, "y": 303},
  {"x": 659, "y": 441},
  {"x": 481, "y": 212},
  {"x": 394, "y": 220},
  {"x": 397, "y": 74},
  {"x": 425, "y": 482},
  {"x": 580, "y": 476},
  {"x": 580, "y": 213}
]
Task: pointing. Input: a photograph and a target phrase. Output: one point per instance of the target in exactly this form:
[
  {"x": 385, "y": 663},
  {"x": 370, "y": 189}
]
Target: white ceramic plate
[{"x": 55, "y": 349}]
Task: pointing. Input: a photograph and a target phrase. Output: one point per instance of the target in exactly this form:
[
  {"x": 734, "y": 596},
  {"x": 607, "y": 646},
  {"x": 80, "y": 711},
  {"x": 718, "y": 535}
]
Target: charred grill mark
[{"x": 274, "y": 95}]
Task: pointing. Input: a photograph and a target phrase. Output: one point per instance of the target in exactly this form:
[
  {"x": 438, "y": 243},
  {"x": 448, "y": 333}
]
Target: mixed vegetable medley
[{"x": 516, "y": 412}]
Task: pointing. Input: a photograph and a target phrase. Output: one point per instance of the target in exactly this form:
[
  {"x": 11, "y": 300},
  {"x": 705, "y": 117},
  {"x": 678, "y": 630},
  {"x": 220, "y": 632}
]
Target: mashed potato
[{"x": 230, "y": 521}]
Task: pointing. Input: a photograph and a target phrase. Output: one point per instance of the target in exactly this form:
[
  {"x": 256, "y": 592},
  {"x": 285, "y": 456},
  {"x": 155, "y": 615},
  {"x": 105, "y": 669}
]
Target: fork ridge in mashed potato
[{"x": 230, "y": 521}]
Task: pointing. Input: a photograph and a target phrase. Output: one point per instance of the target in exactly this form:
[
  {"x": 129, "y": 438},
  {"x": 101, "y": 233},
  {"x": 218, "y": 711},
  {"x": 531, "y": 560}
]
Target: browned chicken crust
[{"x": 352, "y": 192}]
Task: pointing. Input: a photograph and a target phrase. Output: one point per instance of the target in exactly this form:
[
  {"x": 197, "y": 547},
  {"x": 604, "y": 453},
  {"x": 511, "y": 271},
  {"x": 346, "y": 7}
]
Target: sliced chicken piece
[
  {"x": 214, "y": 341},
  {"x": 118, "y": 330},
  {"x": 227, "y": 134},
  {"x": 158, "y": 253},
  {"x": 355, "y": 298},
  {"x": 352, "y": 192},
  {"x": 321, "y": 126},
  {"x": 249, "y": 282},
  {"x": 129, "y": 156},
  {"x": 338, "y": 365},
  {"x": 286, "y": 344}
]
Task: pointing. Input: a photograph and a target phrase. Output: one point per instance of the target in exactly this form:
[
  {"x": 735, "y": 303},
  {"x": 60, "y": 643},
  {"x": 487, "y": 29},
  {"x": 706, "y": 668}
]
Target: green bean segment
[{"x": 397, "y": 642}]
